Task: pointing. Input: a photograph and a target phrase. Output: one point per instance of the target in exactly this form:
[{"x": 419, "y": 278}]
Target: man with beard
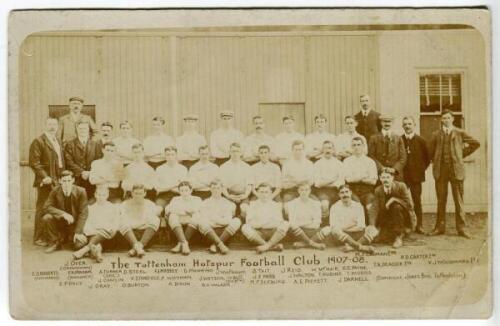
[{"x": 67, "y": 123}]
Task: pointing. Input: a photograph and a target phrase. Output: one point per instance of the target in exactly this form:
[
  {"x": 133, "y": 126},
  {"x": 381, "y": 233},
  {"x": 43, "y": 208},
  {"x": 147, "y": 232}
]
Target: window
[{"x": 439, "y": 92}]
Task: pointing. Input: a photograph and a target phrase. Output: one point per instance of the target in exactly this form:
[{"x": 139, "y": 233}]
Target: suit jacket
[
  {"x": 401, "y": 195},
  {"x": 396, "y": 156},
  {"x": 462, "y": 145},
  {"x": 67, "y": 127},
  {"x": 43, "y": 160},
  {"x": 79, "y": 157},
  {"x": 369, "y": 125},
  {"x": 79, "y": 208},
  {"x": 418, "y": 158}
]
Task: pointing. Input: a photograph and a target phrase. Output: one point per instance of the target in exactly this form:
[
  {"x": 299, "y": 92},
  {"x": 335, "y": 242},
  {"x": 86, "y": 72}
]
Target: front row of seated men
[{"x": 69, "y": 215}]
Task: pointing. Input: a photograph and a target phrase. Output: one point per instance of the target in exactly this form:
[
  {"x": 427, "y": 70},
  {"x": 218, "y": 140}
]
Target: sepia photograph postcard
[{"x": 250, "y": 163}]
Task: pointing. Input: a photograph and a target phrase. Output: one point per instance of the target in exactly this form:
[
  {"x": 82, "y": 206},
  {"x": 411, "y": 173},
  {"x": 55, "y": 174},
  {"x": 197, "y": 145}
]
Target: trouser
[
  {"x": 203, "y": 194},
  {"x": 59, "y": 231},
  {"x": 394, "y": 221},
  {"x": 363, "y": 193},
  {"x": 115, "y": 195},
  {"x": 42, "y": 193},
  {"x": 327, "y": 197},
  {"x": 154, "y": 165},
  {"x": 446, "y": 176},
  {"x": 416, "y": 195},
  {"x": 89, "y": 188},
  {"x": 188, "y": 163},
  {"x": 219, "y": 161}
]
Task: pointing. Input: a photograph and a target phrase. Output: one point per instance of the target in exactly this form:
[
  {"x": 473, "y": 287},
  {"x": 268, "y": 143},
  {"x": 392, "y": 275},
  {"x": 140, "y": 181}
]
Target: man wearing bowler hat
[
  {"x": 387, "y": 148},
  {"x": 68, "y": 122}
]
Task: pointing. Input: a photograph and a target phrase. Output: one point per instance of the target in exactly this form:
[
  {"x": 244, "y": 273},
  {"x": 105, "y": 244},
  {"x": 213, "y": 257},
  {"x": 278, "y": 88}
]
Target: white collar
[
  {"x": 50, "y": 137},
  {"x": 83, "y": 141},
  {"x": 448, "y": 129},
  {"x": 410, "y": 136},
  {"x": 365, "y": 112},
  {"x": 386, "y": 132}
]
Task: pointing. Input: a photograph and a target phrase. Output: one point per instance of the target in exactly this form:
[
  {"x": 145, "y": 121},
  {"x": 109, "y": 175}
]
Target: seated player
[
  {"x": 360, "y": 173},
  {"x": 190, "y": 141},
  {"x": 139, "y": 172},
  {"x": 296, "y": 170},
  {"x": 218, "y": 212},
  {"x": 108, "y": 171},
  {"x": 254, "y": 141},
  {"x": 392, "y": 210},
  {"x": 183, "y": 211},
  {"x": 102, "y": 224},
  {"x": 304, "y": 216},
  {"x": 124, "y": 143},
  {"x": 265, "y": 221},
  {"x": 202, "y": 173},
  {"x": 266, "y": 171},
  {"x": 314, "y": 141},
  {"x": 344, "y": 141},
  {"x": 347, "y": 223},
  {"x": 168, "y": 176},
  {"x": 138, "y": 213},
  {"x": 156, "y": 142},
  {"x": 66, "y": 211},
  {"x": 328, "y": 177},
  {"x": 236, "y": 178}
]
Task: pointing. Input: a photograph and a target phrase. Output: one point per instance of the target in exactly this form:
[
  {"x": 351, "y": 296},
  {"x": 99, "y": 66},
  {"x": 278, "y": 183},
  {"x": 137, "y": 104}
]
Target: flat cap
[
  {"x": 386, "y": 117},
  {"x": 76, "y": 98},
  {"x": 226, "y": 113},
  {"x": 389, "y": 170},
  {"x": 190, "y": 117}
]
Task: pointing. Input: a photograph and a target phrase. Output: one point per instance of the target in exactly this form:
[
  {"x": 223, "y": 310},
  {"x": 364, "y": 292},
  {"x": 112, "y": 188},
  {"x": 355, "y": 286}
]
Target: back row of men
[{"x": 68, "y": 144}]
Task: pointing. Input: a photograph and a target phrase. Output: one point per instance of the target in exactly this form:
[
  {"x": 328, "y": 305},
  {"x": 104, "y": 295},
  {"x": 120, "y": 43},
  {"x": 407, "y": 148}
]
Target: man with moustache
[
  {"x": 155, "y": 144},
  {"x": 285, "y": 139},
  {"x": 189, "y": 143},
  {"x": 387, "y": 148},
  {"x": 448, "y": 147},
  {"x": 418, "y": 160},
  {"x": 257, "y": 139},
  {"x": 367, "y": 118},
  {"x": 108, "y": 172},
  {"x": 46, "y": 159},
  {"x": 79, "y": 153},
  {"x": 314, "y": 141},
  {"x": 392, "y": 208},
  {"x": 222, "y": 138},
  {"x": 67, "y": 123},
  {"x": 106, "y": 133}
]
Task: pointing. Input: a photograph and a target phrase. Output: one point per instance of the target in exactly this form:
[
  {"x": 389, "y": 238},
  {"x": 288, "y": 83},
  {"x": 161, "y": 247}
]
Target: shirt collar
[
  {"x": 447, "y": 130},
  {"x": 365, "y": 112},
  {"x": 386, "y": 132},
  {"x": 83, "y": 140},
  {"x": 410, "y": 136},
  {"x": 50, "y": 137}
]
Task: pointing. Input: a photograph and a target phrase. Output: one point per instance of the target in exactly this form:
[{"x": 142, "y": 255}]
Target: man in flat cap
[
  {"x": 222, "y": 138},
  {"x": 189, "y": 143},
  {"x": 68, "y": 122},
  {"x": 392, "y": 209},
  {"x": 367, "y": 118},
  {"x": 387, "y": 148}
]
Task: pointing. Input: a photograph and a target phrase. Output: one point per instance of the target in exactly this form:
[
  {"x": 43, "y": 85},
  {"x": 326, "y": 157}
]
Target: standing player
[
  {"x": 124, "y": 143},
  {"x": 190, "y": 142},
  {"x": 168, "y": 177},
  {"x": 285, "y": 139},
  {"x": 203, "y": 173},
  {"x": 264, "y": 224},
  {"x": 102, "y": 223},
  {"x": 183, "y": 211},
  {"x": 304, "y": 216},
  {"x": 416, "y": 164},
  {"x": 46, "y": 159},
  {"x": 348, "y": 223},
  {"x": 328, "y": 177},
  {"x": 360, "y": 173},
  {"x": 314, "y": 141},
  {"x": 155, "y": 144},
  {"x": 387, "y": 148},
  {"x": 139, "y": 172},
  {"x": 217, "y": 212},
  {"x": 296, "y": 170},
  {"x": 257, "y": 139},
  {"x": 222, "y": 138},
  {"x": 266, "y": 171},
  {"x": 79, "y": 153},
  {"x": 138, "y": 213},
  {"x": 236, "y": 179},
  {"x": 108, "y": 171},
  {"x": 344, "y": 140}
]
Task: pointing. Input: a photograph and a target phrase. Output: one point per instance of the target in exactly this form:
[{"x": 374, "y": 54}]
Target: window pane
[
  {"x": 429, "y": 93},
  {"x": 452, "y": 93}
]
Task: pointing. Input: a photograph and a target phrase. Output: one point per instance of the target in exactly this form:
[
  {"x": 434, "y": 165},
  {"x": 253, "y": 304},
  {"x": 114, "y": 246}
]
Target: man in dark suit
[
  {"x": 448, "y": 147},
  {"x": 387, "y": 148},
  {"x": 79, "y": 153},
  {"x": 368, "y": 119},
  {"x": 66, "y": 211},
  {"x": 418, "y": 160},
  {"x": 67, "y": 123},
  {"x": 47, "y": 161},
  {"x": 392, "y": 209}
]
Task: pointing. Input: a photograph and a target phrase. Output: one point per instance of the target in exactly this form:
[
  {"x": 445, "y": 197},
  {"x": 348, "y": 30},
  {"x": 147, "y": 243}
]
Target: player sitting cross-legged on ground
[
  {"x": 264, "y": 220},
  {"x": 101, "y": 224},
  {"x": 304, "y": 216},
  {"x": 347, "y": 222},
  {"x": 138, "y": 213},
  {"x": 183, "y": 211},
  {"x": 218, "y": 212}
]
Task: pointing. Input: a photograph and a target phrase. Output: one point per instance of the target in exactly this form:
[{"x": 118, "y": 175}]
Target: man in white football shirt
[
  {"x": 189, "y": 143},
  {"x": 314, "y": 141},
  {"x": 168, "y": 177},
  {"x": 257, "y": 139},
  {"x": 155, "y": 144},
  {"x": 202, "y": 174},
  {"x": 285, "y": 139},
  {"x": 222, "y": 138}
]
